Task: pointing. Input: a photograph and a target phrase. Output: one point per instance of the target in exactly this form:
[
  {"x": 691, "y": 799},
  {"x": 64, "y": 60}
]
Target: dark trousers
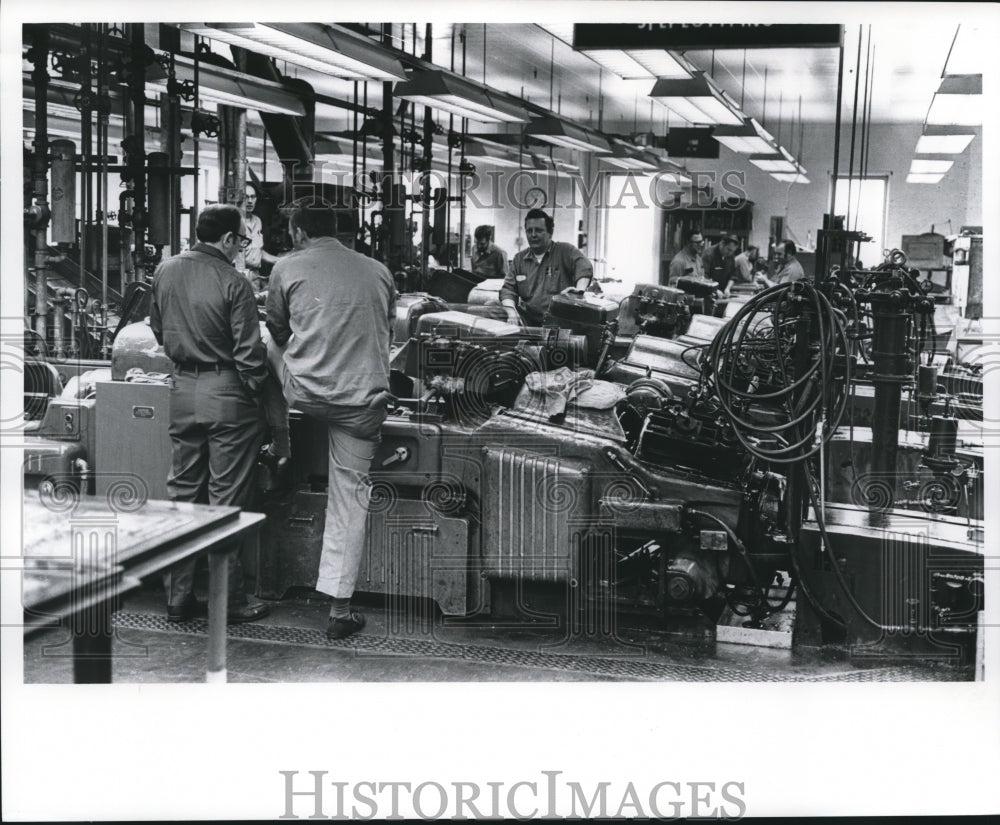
[{"x": 216, "y": 431}]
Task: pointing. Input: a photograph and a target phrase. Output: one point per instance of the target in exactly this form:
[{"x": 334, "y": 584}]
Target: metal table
[{"x": 81, "y": 554}]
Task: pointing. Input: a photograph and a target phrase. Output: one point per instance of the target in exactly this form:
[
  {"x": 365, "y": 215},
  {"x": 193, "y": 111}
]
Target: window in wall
[{"x": 863, "y": 202}]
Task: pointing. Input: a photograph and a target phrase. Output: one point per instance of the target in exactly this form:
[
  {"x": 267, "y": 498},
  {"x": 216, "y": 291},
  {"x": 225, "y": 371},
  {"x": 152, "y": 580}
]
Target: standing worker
[
  {"x": 255, "y": 256},
  {"x": 203, "y": 313},
  {"x": 329, "y": 312},
  {"x": 542, "y": 270},
  {"x": 687, "y": 262},
  {"x": 488, "y": 260}
]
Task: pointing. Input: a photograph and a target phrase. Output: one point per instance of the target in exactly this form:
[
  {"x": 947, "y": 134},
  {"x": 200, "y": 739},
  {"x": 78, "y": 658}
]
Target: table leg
[
  {"x": 218, "y": 597},
  {"x": 92, "y": 645}
]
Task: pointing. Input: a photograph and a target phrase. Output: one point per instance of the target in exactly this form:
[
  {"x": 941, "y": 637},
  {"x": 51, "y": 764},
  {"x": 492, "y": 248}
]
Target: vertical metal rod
[
  {"x": 868, "y": 137},
  {"x": 103, "y": 93},
  {"x": 137, "y": 87},
  {"x": 864, "y": 126},
  {"x": 86, "y": 153},
  {"x": 854, "y": 126},
  {"x": 836, "y": 136},
  {"x": 425, "y": 189},
  {"x": 218, "y": 597}
]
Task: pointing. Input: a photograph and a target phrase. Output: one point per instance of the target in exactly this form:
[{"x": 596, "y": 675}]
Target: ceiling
[{"x": 780, "y": 87}]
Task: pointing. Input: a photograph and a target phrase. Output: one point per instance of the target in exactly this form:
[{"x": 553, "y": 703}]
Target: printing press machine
[{"x": 725, "y": 483}]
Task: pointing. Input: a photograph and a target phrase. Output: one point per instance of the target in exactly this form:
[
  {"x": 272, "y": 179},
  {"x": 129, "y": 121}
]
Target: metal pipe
[
  {"x": 126, "y": 197},
  {"x": 103, "y": 93},
  {"x": 425, "y": 188},
  {"x": 58, "y": 322},
  {"x": 39, "y": 179},
  {"x": 86, "y": 152},
  {"x": 137, "y": 89}
]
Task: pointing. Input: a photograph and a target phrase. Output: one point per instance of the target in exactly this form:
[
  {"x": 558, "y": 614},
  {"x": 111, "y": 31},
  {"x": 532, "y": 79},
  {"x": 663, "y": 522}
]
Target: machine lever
[{"x": 401, "y": 454}]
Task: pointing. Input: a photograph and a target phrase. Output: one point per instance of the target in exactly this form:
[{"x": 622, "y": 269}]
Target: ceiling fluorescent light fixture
[
  {"x": 229, "y": 87},
  {"x": 457, "y": 96},
  {"x": 922, "y": 166},
  {"x": 630, "y": 157},
  {"x": 778, "y": 161},
  {"x": 958, "y": 101},
  {"x": 790, "y": 177},
  {"x": 640, "y": 64},
  {"x": 491, "y": 156},
  {"x": 749, "y": 138},
  {"x": 923, "y": 178},
  {"x": 697, "y": 100},
  {"x": 316, "y": 46},
  {"x": 944, "y": 140},
  {"x": 562, "y": 133}
]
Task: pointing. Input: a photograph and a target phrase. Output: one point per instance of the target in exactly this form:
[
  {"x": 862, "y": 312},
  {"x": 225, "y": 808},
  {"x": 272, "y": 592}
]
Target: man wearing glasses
[
  {"x": 687, "y": 263},
  {"x": 204, "y": 314}
]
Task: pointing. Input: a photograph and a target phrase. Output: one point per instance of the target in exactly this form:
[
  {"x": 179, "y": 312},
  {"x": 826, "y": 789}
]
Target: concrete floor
[{"x": 290, "y": 646}]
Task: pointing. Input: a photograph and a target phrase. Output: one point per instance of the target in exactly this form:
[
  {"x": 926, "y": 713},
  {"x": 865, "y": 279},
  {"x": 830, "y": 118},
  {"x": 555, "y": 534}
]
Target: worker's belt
[{"x": 197, "y": 369}]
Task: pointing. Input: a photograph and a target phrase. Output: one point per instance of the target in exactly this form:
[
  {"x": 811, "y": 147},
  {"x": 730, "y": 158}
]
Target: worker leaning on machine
[{"x": 544, "y": 269}]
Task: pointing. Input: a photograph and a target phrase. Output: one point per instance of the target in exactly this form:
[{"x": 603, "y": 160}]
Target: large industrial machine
[{"x": 813, "y": 452}]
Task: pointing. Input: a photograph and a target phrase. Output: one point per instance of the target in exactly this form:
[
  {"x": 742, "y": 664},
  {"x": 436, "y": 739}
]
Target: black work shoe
[
  {"x": 247, "y": 613},
  {"x": 342, "y": 628},
  {"x": 191, "y": 609}
]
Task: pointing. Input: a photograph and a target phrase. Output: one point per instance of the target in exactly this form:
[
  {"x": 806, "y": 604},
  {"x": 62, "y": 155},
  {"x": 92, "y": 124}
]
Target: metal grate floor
[{"x": 605, "y": 666}]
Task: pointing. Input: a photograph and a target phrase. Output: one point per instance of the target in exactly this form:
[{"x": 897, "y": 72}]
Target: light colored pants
[{"x": 353, "y": 433}]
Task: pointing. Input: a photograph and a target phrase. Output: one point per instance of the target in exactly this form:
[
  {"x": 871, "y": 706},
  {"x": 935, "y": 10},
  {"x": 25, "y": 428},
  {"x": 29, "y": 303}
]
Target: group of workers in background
[
  {"x": 720, "y": 263},
  {"x": 325, "y": 352}
]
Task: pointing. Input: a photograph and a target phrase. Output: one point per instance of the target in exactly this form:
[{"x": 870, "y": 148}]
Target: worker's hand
[
  {"x": 727, "y": 294},
  {"x": 512, "y": 316},
  {"x": 720, "y": 295},
  {"x": 572, "y": 290},
  {"x": 760, "y": 279}
]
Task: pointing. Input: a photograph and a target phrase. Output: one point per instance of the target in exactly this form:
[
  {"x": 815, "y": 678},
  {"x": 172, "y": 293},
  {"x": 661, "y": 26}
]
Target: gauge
[{"x": 535, "y": 198}]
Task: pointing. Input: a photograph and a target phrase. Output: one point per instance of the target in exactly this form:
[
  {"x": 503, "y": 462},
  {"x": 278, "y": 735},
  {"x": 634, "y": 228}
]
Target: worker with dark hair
[
  {"x": 789, "y": 268},
  {"x": 255, "y": 259},
  {"x": 204, "y": 314},
  {"x": 488, "y": 259},
  {"x": 687, "y": 262},
  {"x": 746, "y": 264},
  {"x": 542, "y": 270},
  {"x": 720, "y": 265},
  {"x": 329, "y": 312}
]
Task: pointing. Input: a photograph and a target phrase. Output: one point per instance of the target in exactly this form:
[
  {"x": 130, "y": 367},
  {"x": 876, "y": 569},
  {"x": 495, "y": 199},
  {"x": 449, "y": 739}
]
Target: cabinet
[{"x": 719, "y": 218}]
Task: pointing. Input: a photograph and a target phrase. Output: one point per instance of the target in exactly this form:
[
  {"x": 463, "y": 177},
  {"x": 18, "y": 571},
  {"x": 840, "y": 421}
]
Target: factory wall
[{"x": 912, "y": 208}]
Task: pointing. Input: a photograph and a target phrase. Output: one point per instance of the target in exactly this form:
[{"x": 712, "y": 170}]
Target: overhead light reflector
[
  {"x": 958, "y": 101},
  {"x": 779, "y": 161},
  {"x": 944, "y": 140},
  {"x": 697, "y": 100},
  {"x": 315, "y": 46},
  {"x": 922, "y": 166},
  {"x": 562, "y": 133},
  {"x": 229, "y": 87},
  {"x": 749, "y": 138},
  {"x": 452, "y": 94},
  {"x": 923, "y": 178}
]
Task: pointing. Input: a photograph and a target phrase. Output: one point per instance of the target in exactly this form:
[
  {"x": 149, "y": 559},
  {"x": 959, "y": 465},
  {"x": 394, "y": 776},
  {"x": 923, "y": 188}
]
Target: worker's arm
[
  {"x": 277, "y": 310},
  {"x": 508, "y": 292},
  {"x": 583, "y": 269},
  {"x": 249, "y": 354},
  {"x": 155, "y": 321}
]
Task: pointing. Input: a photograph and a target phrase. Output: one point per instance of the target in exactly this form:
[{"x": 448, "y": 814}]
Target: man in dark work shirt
[{"x": 204, "y": 314}]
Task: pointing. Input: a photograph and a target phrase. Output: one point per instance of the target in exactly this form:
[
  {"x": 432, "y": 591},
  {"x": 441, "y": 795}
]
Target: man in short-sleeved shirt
[
  {"x": 687, "y": 263},
  {"x": 544, "y": 269},
  {"x": 488, "y": 259}
]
